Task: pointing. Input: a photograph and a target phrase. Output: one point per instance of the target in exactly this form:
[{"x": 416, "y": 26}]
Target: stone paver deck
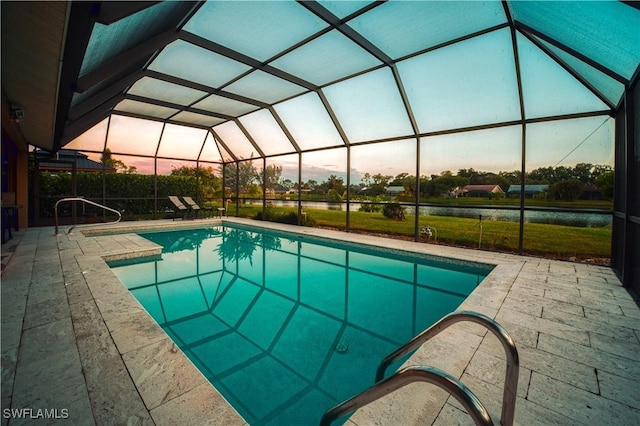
[{"x": 78, "y": 347}]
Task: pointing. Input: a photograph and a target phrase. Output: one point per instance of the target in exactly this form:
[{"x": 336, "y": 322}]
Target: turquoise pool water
[{"x": 284, "y": 327}]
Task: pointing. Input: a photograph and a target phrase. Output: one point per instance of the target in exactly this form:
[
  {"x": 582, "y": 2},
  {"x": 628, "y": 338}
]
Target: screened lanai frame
[{"x": 113, "y": 80}]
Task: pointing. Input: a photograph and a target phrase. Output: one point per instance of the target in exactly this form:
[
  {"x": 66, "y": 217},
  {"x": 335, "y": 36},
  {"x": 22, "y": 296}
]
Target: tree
[
  {"x": 475, "y": 178},
  {"x": 241, "y": 177},
  {"x": 380, "y": 183},
  {"x": 541, "y": 176},
  {"x": 313, "y": 187},
  {"x": 273, "y": 176},
  {"x": 335, "y": 184},
  {"x": 206, "y": 177},
  {"x": 118, "y": 165},
  {"x": 605, "y": 182},
  {"x": 288, "y": 183},
  {"x": 380, "y": 179},
  {"x": 600, "y": 169},
  {"x": 442, "y": 184},
  {"x": 513, "y": 177},
  {"x": 407, "y": 181},
  {"x": 584, "y": 173},
  {"x": 399, "y": 179},
  {"x": 204, "y": 173},
  {"x": 567, "y": 190}
]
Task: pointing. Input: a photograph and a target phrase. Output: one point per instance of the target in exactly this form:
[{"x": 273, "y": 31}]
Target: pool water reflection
[{"x": 284, "y": 327}]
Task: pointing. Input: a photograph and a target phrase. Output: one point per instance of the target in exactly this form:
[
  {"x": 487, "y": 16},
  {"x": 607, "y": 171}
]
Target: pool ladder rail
[
  {"x": 438, "y": 377},
  {"x": 84, "y": 200}
]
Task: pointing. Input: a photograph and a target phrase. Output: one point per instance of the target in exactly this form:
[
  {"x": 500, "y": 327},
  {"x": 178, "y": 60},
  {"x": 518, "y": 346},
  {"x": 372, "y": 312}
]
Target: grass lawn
[{"x": 553, "y": 241}]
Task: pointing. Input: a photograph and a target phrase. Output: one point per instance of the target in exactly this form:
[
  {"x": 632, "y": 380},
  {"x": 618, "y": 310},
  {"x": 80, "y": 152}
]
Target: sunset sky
[{"x": 549, "y": 144}]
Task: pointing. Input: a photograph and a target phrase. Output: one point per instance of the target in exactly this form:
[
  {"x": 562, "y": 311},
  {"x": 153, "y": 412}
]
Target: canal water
[{"x": 589, "y": 219}]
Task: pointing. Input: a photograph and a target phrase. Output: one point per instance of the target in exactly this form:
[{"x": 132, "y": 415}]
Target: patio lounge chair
[
  {"x": 222, "y": 210},
  {"x": 179, "y": 207},
  {"x": 193, "y": 206}
]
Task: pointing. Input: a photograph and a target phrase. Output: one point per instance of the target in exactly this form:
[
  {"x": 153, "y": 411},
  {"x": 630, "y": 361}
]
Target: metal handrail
[
  {"x": 88, "y": 202},
  {"x": 404, "y": 377},
  {"x": 513, "y": 363}
]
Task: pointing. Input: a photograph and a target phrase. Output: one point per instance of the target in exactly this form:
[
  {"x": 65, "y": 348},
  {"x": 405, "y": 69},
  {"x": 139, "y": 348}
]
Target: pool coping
[
  {"x": 172, "y": 389},
  {"x": 115, "y": 302}
]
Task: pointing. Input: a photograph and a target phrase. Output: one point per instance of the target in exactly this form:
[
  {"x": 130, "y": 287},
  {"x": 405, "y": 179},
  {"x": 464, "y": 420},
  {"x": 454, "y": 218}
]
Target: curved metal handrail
[
  {"x": 88, "y": 202},
  {"x": 404, "y": 377},
  {"x": 513, "y": 362}
]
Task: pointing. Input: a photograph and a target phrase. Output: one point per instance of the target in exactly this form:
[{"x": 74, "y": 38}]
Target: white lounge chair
[
  {"x": 179, "y": 207},
  {"x": 193, "y": 206}
]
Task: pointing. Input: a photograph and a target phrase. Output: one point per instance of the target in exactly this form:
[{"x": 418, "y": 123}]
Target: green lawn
[{"x": 553, "y": 241}]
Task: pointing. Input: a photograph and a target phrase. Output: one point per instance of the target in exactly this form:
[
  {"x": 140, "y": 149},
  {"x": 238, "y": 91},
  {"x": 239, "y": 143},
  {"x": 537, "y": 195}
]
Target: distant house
[
  {"x": 63, "y": 161},
  {"x": 480, "y": 191},
  {"x": 294, "y": 191},
  {"x": 530, "y": 191},
  {"x": 365, "y": 190},
  {"x": 278, "y": 189},
  {"x": 394, "y": 190}
]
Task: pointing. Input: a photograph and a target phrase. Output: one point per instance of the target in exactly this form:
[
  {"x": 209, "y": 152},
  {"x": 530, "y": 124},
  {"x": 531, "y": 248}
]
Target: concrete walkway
[{"x": 77, "y": 348}]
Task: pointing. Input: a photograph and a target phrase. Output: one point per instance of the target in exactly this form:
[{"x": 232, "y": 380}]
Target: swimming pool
[{"x": 286, "y": 326}]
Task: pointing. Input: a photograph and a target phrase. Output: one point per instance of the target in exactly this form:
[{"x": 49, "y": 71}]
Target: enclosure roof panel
[
  {"x": 405, "y": 27},
  {"x": 361, "y": 71},
  {"x": 259, "y": 29},
  {"x": 193, "y": 63},
  {"x": 603, "y": 31}
]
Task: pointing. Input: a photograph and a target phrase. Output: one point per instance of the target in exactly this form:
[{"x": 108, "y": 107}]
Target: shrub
[
  {"x": 393, "y": 211},
  {"x": 290, "y": 218},
  {"x": 369, "y": 207}
]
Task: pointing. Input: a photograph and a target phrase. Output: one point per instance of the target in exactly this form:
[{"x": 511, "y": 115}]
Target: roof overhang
[{"x": 33, "y": 37}]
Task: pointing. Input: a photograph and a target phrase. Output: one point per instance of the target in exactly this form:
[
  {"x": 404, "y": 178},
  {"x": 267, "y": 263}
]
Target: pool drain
[{"x": 342, "y": 347}]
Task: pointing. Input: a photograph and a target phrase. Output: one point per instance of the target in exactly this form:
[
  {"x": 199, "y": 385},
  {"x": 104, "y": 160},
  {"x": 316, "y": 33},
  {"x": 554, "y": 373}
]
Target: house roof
[
  {"x": 528, "y": 188},
  {"x": 480, "y": 187},
  {"x": 395, "y": 188},
  {"x": 63, "y": 159}
]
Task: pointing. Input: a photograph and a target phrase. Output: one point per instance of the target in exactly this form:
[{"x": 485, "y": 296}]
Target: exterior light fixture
[{"x": 16, "y": 113}]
